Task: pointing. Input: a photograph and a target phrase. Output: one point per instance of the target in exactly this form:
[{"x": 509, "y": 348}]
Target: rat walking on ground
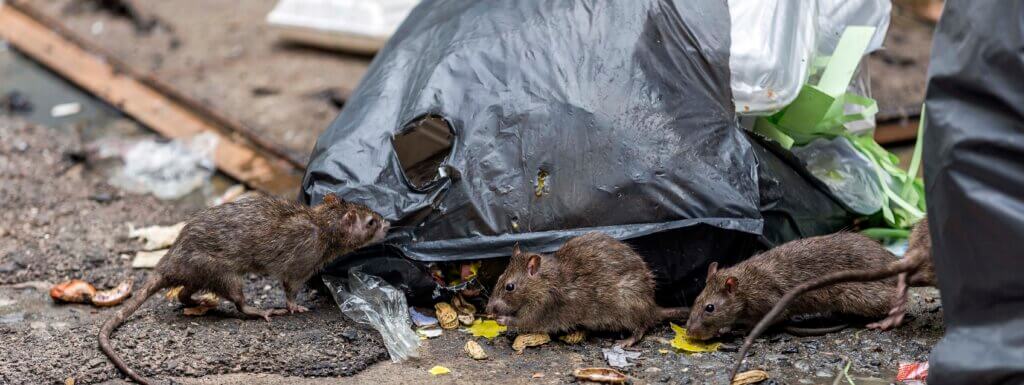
[
  {"x": 914, "y": 269},
  {"x": 260, "y": 234},
  {"x": 743, "y": 294},
  {"x": 592, "y": 282}
]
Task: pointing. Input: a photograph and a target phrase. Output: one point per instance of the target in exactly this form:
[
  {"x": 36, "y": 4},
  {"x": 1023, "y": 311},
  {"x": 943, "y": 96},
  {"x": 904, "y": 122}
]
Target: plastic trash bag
[
  {"x": 848, "y": 174},
  {"x": 371, "y": 301},
  {"x": 775, "y": 44},
  {"x": 166, "y": 169}
]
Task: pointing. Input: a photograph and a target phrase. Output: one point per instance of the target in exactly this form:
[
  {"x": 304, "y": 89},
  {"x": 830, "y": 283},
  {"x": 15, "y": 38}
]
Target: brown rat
[
  {"x": 259, "y": 234},
  {"x": 915, "y": 268},
  {"x": 593, "y": 282},
  {"x": 742, "y": 294}
]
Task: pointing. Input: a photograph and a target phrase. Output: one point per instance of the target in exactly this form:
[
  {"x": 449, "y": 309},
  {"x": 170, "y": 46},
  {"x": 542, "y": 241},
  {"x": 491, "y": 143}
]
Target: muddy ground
[{"x": 74, "y": 226}]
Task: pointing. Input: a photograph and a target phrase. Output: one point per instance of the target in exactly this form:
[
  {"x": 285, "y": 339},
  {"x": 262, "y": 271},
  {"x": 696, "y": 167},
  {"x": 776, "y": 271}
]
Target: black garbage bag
[
  {"x": 564, "y": 118},
  {"x": 974, "y": 180}
]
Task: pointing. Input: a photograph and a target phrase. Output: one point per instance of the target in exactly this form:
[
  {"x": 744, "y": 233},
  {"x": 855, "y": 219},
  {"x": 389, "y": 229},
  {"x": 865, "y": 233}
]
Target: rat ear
[
  {"x": 730, "y": 284},
  {"x": 332, "y": 199},
  {"x": 516, "y": 251},
  {"x": 533, "y": 264},
  {"x": 348, "y": 218},
  {"x": 712, "y": 269}
]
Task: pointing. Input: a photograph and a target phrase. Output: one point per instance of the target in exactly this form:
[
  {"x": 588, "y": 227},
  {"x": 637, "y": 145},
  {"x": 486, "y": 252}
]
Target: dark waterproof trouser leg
[{"x": 974, "y": 181}]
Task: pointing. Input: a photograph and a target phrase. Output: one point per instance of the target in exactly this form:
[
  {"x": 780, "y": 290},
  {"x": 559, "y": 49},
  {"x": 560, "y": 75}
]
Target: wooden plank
[
  {"x": 902, "y": 130},
  {"x": 150, "y": 107}
]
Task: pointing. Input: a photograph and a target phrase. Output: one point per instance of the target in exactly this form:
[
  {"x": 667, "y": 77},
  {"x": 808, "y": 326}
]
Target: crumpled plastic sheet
[
  {"x": 166, "y": 169},
  {"x": 849, "y": 176},
  {"x": 618, "y": 357},
  {"x": 370, "y": 300}
]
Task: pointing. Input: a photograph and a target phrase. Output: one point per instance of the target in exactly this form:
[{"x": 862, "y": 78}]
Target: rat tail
[
  {"x": 671, "y": 313},
  {"x": 865, "y": 275},
  {"x": 154, "y": 283}
]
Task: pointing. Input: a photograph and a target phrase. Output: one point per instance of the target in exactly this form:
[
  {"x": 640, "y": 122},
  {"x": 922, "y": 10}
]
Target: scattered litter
[
  {"x": 79, "y": 291},
  {"x": 114, "y": 296},
  {"x": 37, "y": 285},
  {"x": 420, "y": 319},
  {"x": 147, "y": 259},
  {"x": 466, "y": 319},
  {"x": 207, "y": 301},
  {"x": 447, "y": 315},
  {"x": 156, "y": 237},
  {"x": 663, "y": 351},
  {"x": 750, "y": 377},
  {"x": 605, "y": 375},
  {"x": 66, "y": 109},
  {"x": 462, "y": 306},
  {"x": 913, "y": 371},
  {"x": 429, "y": 332},
  {"x": 360, "y": 26},
  {"x": 574, "y": 337},
  {"x": 683, "y": 342},
  {"x": 619, "y": 358},
  {"x": 232, "y": 194},
  {"x": 524, "y": 341},
  {"x": 486, "y": 328},
  {"x": 166, "y": 169},
  {"x": 73, "y": 291},
  {"x": 371, "y": 301},
  {"x": 537, "y": 375},
  {"x": 439, "y": 370},
  {"x": 15, "y": 102},
  {"x": 475, "y": 351}
]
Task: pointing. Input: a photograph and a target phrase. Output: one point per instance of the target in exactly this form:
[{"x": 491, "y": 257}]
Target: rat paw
[{"x": 297, "y": 309}]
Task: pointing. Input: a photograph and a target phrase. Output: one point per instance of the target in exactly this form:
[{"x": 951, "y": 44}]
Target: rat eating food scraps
[
  {"x": 259, "y": 234},
  {"x": 593, "y": 282}
]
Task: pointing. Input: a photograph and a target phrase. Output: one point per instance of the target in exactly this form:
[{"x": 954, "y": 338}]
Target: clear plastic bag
[
  {"x": 371, "y": 301},
  {"x": 848, "y": 174}
]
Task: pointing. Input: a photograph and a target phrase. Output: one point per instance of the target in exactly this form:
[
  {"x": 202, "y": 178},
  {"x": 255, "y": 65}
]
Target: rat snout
[{"x": 500, "y": 310}]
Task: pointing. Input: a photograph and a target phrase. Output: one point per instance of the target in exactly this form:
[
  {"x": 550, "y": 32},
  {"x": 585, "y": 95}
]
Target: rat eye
[
  {"x": 710, "y": 308},
  {"x": 372, "y": 222},
  {"x": 510, "y": 287}
]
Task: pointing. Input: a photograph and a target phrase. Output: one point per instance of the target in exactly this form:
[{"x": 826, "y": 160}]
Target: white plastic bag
[{"x": 775, "y": 42}]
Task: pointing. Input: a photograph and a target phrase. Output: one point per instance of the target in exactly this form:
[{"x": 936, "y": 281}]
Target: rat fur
[
  {"x": 592, "y": 282},
  {"x": 259, "y": 234},
  {"x": 914, "y": 269},
  {"x": 743, "y": 294}
]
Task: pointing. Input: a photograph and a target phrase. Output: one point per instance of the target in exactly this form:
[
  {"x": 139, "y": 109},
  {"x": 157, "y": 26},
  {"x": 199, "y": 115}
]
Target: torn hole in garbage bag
[{"x": 422, "y": 147}]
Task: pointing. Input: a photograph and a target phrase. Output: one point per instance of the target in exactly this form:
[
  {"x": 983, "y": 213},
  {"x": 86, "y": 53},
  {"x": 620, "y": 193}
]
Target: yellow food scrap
[
  {"x": 475, "y": 351},
  {"x": 446, "y": 315},
  {"x": 524, "y": 341},
  {"x": 172, "y": 293},
  {"x": 663, "y": 351},
  {"x": 574, "y": 337},
  {"x": 439, "y": 370},
  {"x": 487, "y": 329},
  {"x": 750, "y": 377},
  {"x": 683, "y": 342}
]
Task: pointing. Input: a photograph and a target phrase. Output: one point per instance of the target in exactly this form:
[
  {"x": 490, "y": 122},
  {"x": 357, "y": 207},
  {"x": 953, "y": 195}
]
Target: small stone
[
  {"x": 731, "y": 348},
  {"x": 790, "y": 350},
  {"x": 350, "y": 335},
  {"x": 823, "y": 373},
  {"x": 665, "y": 378},
  {"x": 10, "y": 267},
  {"x": 802, "y": 366},
  {"x": 652, "y": 369},
  {"x": 103, "y": 197}
]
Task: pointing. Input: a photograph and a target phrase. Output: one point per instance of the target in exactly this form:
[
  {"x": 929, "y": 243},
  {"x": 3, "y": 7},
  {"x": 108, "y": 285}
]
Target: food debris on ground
[
  {"x": 618, "y": 357},
  {"x": 604, "y": 375},
  {"x": 446, "y": 315},
  {"x": 207, "y": 301},
  {"x": 420, "y": 318},
  {"x": 73, "y": 291},
  {"x": 114, "y": 296},
  {"x": 156, "y": 237},
  {"x": 524, "y": 341},
  {"x": 429, "y": 331},
  {"x": 439, "y": 370},
  {"x": 683, "y": 342},
  {"x": 486, "y": 328},
  {"x": 912, "y": 371},
  {"x": 538, "y": 375},
  {"x": 475, "y": 350},
  {"x": 750, "y": 377},
  {"x": 574, "y": 337}
]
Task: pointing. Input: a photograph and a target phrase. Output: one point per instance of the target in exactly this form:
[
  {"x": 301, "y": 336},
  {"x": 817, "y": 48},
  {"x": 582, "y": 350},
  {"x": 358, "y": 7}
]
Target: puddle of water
[{"x": 96, "y": 120}]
